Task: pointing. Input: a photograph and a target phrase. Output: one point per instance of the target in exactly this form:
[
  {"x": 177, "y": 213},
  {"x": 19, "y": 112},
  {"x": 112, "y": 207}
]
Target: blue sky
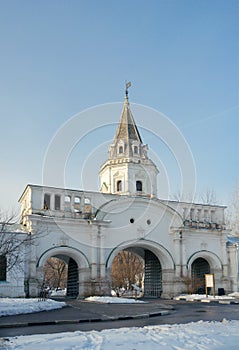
[{"x": 59, "y": 58}]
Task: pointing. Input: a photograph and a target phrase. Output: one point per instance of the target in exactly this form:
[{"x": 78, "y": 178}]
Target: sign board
[
  {"x": 209, "y": 278},
  {"x": 209, "y": 281}
]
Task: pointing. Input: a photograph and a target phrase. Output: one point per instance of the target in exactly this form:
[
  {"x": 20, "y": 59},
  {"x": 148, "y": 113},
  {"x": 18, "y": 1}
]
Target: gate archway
[
  {"x": 200, "y": 267},
  {"x": 76, "y": 262},
  {"x": 152, "y": 281}
]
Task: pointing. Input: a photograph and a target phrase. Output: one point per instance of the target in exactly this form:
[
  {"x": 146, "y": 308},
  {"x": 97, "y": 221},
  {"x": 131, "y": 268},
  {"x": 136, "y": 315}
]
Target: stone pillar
[
  {"x": 94, "y": 248},
  {"x": 177, "y": 249},
  {"x": 232, "y": 251},
  {"x": 33, "y": 284},
  {"x": 104, "y": 282}
]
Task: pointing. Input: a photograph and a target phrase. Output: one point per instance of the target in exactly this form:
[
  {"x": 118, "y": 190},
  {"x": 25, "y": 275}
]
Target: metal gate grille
[
  {"x": 152, "y": 275},
  {"x": 72, "y": 279},
  {"x": 200, "y": 267}
]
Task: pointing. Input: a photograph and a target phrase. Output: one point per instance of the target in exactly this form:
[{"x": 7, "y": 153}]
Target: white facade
[
  {"x": 88, "y": 229},
  {"x": 13, "y": 284}
]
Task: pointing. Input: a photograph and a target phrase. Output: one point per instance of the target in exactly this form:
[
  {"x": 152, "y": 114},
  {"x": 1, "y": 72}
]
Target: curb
[
  {"x": 218, "y": 301},
  {"x": 91, "y": 320}
]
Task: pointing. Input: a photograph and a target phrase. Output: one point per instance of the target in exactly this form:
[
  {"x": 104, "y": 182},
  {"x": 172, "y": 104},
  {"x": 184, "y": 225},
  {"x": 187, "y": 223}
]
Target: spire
[{"x": 127, "y": 129}]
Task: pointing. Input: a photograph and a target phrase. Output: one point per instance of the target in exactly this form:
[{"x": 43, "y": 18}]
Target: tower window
[
  {"x": 136, "y": 150},
  {"x": 121, "y": 150},
  {"x": 119, "y": 186},
  {"x": 139, "y": 186}
]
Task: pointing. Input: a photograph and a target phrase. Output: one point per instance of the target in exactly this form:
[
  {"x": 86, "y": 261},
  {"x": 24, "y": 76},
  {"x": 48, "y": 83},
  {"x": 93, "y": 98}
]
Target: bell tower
[{"x": 128, "y": 170}]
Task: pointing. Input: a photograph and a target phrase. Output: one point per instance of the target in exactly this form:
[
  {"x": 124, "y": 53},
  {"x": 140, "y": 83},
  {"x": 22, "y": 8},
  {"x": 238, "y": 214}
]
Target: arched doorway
[
  {"x": 61, "y": 272},
  {"x": 136, "y": 265},
  {"x": 200, "y": 267}
]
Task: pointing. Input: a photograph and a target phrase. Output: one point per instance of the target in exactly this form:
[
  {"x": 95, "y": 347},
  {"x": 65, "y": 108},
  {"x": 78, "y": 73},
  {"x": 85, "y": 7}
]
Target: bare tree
[
  {"x": 127, "y": 269},
  {"x": 55, "y": 273},
  {"x": 14, "y": 240},
  {"x": 12, "y": 243},
  {"x": 208, "y": 197},
  {"x": 233, "y": 212}
]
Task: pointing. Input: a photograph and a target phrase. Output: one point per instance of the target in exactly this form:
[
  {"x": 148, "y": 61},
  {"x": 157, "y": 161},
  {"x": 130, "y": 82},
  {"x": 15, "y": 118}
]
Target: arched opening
[
  {"x": 119, "y": 186},
  {"x": 200, "y": 267},
  {"x": 139, "y": 267},
  {"x": 61, "y": 276},
  {"x": 139, "y": 186}
]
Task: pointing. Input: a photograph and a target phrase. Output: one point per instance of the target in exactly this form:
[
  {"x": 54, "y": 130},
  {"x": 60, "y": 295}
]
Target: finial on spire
[{"x": 127, "y": 85}]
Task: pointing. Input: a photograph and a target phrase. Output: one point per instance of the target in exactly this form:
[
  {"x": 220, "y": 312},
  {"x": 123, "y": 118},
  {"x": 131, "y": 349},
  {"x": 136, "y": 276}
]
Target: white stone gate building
[{"x": 178, "y": 241}]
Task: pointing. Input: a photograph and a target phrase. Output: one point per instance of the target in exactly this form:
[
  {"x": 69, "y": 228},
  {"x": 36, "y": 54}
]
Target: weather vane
[{"x": 127, "y": 85}]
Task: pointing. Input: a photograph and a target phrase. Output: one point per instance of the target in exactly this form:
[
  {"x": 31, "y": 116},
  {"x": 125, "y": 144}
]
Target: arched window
[
  {"x": 136, "y": 150},
  {"x": 139, "y": 187},
  {"x": 3, "y": 268},
  {"x": 121, "y": 150},
  {"x": 119, "y": 186}
]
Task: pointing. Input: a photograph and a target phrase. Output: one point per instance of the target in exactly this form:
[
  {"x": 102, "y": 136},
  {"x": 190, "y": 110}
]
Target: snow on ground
[
  {"x": 192, "y": 336},
  {"x": 113, "y": 300},
  {"x": 189, "y": 297},
  {"x": 10, "y": 306},
  {"x": 195, "y": 336}
]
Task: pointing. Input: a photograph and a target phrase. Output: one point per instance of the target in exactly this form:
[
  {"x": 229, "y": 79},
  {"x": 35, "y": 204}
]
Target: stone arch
[
  {"x": 78, "y": 267},
  {"x": 159, "y": 251},
  {"x": 201, "y": 263},
  {"x": 159, "y": 265},
  {"x": 73, "y": 253},
  {"x": 214, "y": 261}
]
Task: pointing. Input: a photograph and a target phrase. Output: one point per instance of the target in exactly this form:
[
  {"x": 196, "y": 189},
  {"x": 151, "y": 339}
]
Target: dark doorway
[{"x": 200, "y": 267}]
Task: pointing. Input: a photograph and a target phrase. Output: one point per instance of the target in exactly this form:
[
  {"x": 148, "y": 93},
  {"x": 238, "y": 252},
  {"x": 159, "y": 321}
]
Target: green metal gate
[
  {"x": 72, "y": 279},
  {"x": 152, "y": 275}
]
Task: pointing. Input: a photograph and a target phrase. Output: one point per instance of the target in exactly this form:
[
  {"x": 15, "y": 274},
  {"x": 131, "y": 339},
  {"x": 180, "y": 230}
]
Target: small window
[
  {"x": 47, "y": 199},
  {"x": 67, "y": 203},
  {"x": 121, "y": 150},
  {"x": 119, "y": 186},
  {"x": 136, "y": 150},
  {"x": 87, "y": 200},
  {"x": 3, "y": 268},
  {"x": 139, "y": 186},
  {"x": 77, "y": 203},
  {"x": 57, "y": 202},
  {"x": 131, "y": 220}
]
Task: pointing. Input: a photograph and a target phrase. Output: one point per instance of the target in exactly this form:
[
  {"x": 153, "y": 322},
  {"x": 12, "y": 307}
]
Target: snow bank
[
  {"x": 113, "y": 300},
  {"x": 193, "y": 336},
  {"x": 9, "y": 306},
  {"x": 204, "y": 296}
]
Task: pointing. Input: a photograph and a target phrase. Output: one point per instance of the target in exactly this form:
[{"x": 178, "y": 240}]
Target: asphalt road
[{"x": 182, "y": 312}]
